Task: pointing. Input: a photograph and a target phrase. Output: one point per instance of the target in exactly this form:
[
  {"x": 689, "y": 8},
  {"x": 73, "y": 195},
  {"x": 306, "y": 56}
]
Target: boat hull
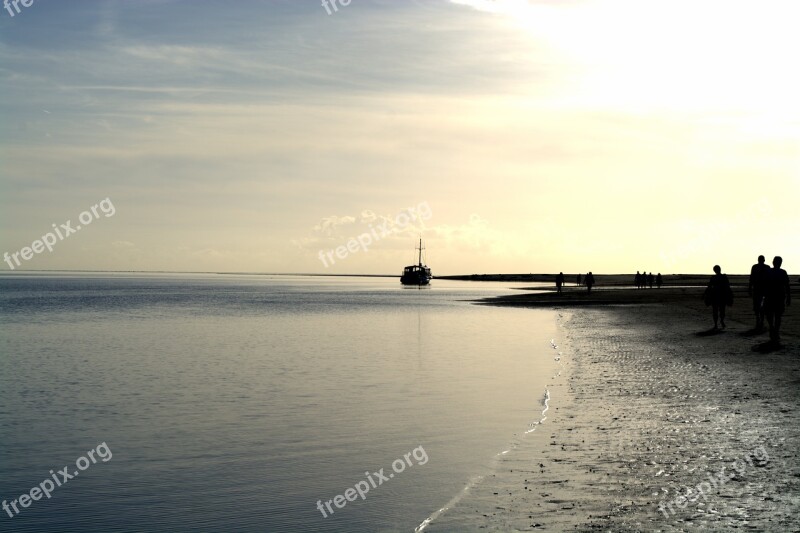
[{"x": 415, "y": 280}]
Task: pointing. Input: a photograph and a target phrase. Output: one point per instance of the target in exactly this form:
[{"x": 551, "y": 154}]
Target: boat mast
[{"x": 420, "y": 251}]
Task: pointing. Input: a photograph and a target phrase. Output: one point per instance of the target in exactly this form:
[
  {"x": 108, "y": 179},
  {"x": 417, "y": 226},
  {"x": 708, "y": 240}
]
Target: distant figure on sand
[
  {"x": 559, "y": 281},
  {"x": 578, "y": 280},
  {"x": 637, "y": 280},
  {"x": 650, "y": 279},
  {"x": 777, "y": 293},
  {"x": 718, "y": 295},
  {"x": 756, "y": 288},
  {"x": 659, "y": 280},
  {"x": 589, "y": 281}
]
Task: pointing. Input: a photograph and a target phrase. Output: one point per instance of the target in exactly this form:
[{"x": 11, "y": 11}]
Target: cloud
[
  {"x": 334, "y": 230},
  {"x": 331, "y": 225}
]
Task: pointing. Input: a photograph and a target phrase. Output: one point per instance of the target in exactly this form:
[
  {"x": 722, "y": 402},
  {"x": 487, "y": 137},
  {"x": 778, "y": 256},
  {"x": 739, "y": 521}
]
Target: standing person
[
  {"x": 637, "y": 280},
  {"x": 659, "y": 280},
  {"x": 578, "y": 281},
  {"x": 589, "y": 282},
  {"x": 776, "y": 294},
  {"x": 718, "y": 295},
  {"x": 650, "y": 279},
  {"x": 759, "y": 275},
  {"x": 559, "y": 281}
]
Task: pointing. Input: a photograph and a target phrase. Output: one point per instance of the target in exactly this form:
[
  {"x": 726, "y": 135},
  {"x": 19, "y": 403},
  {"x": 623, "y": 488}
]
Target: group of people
[
  {"x": 587, "y": 280},
  {"x": 771, "y": 293},
  {"x": 643, "y": 280},
  {"x": 768, "y": 287}
]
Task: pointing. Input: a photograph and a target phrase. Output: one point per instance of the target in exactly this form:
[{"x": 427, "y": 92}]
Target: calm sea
[{"x": 236, "y": 403}]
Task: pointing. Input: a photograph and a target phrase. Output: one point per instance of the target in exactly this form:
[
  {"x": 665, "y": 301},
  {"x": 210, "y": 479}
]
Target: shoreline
[
  {"x": 602, "y": 280},
  {"x": 656, "y": 424}
]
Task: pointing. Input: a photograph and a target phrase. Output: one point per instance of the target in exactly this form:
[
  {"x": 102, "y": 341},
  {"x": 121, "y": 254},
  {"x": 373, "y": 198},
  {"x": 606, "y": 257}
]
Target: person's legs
[
  {"x": 769, "y": 312},
  {"x": 758, "y": 309},
  {"x": 777, "y": 321},
  {"x": 715, "y": 314},
  {"x": 722, "y": 315}
]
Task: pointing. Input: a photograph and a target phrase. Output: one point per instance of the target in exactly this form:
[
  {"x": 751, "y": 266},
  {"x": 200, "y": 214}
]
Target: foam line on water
[
  {"x": 514, "y": 444},
  {"x": 453, "y": 501},
  {"x": 546, "y": 404}
]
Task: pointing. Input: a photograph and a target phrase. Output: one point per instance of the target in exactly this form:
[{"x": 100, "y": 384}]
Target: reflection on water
[{"x": 235, "y": 403}]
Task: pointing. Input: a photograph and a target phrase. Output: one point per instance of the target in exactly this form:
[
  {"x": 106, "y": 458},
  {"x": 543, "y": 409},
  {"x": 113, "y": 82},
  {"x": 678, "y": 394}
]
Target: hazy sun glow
[{"x": 681, "y": 55}]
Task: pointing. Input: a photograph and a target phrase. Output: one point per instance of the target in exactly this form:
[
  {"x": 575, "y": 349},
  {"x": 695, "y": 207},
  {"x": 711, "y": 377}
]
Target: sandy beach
[{"x": 656, "y": 423}]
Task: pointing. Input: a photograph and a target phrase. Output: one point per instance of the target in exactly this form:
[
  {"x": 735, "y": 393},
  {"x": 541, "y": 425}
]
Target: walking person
[
  {"x": 637, "y": 280},
  {"x": 650, "y": 279},
  {"x": 718, "y": 295},
  {"x": 659, "y": 280},
  {"x": 777, "y": 297},
  {"x": 559, "y": 282},
  {"x": 578, "y": 281},
  {"x": 589, "y": 282},
  {"x": 756, "y": 288}
]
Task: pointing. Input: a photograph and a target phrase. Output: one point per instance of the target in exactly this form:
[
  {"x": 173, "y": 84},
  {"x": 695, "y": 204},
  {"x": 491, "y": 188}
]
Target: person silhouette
[
  {"x": 718, "y": 295},
  {"x": 777, "y": 294},
  {"x": 559, "y": 281},
  {"x": 589, "y": 282},
  {"x": 637, "y": 280},
  {"x": 756, "y": 287},
  {"x": 659, "y": 280},
  {"x": 650, "y": 279},
  {"x": 578, "y": 280}
]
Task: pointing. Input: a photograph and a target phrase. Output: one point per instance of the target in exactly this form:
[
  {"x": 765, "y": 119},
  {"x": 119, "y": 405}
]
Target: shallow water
[{"x": 235, "y": 403}]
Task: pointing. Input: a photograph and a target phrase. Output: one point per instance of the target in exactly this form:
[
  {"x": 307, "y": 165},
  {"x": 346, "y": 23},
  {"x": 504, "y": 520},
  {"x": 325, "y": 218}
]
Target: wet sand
[{"x": 649, "y": 404}]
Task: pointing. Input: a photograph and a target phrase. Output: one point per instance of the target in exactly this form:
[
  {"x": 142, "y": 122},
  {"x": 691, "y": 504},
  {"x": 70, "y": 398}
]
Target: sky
[{"x": 512, "y": 136}]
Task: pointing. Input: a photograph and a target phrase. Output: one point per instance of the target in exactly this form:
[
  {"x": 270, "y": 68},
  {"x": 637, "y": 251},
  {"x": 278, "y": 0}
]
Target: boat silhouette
[{"x": 418, "y": 274}]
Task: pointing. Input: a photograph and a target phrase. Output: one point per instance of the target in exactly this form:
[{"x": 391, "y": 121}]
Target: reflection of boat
[{"x": 418, "y": 274}]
